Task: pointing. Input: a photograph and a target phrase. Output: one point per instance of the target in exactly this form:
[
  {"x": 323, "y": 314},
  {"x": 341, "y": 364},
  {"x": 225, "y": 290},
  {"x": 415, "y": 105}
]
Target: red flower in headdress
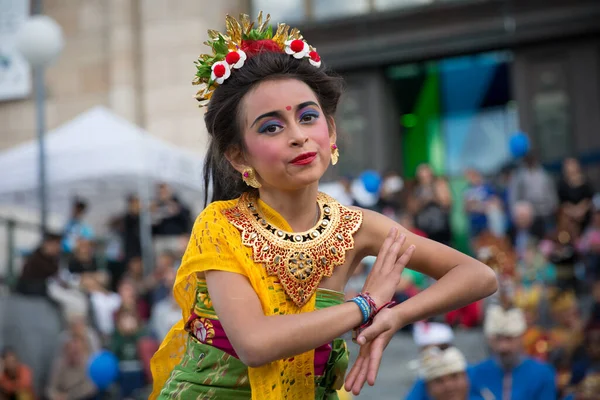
[{"x": 253, "y": 47}]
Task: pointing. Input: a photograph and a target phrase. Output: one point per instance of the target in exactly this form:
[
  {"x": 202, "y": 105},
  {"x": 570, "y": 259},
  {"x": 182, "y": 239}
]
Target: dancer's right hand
[{"x": 385, "y": 274}]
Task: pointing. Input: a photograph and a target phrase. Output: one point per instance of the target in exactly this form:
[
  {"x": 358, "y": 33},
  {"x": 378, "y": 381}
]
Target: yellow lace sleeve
[{"x": 214, "y": 244}]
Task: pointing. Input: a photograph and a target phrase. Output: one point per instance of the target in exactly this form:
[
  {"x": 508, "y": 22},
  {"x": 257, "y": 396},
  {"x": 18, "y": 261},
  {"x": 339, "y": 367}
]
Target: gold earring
[
  {"x": 249, "y": 178},
  {"x": 335, "y": 154}
]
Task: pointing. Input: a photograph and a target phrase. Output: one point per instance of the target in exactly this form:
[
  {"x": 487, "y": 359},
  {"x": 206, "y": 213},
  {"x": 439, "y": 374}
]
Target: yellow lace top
[{"x": 215, "y": 244}]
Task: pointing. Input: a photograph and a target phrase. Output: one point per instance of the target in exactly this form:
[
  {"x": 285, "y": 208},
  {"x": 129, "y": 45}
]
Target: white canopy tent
[{"x": 102, "y": 158}]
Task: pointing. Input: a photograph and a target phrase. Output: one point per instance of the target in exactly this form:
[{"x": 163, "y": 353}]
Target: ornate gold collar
[{"x": 299, "y": 259}]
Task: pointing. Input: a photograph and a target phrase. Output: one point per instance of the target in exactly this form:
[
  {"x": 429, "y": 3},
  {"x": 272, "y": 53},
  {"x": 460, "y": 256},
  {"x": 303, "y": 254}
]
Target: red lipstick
[{"x": 304, "y": 159}]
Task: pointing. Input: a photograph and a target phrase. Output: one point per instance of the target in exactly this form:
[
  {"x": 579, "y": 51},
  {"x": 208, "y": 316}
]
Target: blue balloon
[
  {"x": 103, "y": 369},
  {"x": 371, "y": 180},
  {"x": 519, "y": 144}
]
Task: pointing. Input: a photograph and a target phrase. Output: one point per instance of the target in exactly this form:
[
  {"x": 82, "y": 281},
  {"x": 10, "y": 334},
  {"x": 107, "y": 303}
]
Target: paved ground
[{"x": 396, "y": 376}]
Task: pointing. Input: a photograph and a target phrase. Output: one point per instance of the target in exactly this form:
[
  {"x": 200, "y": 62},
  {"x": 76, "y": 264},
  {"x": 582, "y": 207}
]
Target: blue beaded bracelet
[{"x": 364, "y": 306}]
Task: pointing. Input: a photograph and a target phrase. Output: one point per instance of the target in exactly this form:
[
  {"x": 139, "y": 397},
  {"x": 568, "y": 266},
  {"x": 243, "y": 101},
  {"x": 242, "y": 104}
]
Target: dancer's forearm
[{"x": 444, "y": 295}]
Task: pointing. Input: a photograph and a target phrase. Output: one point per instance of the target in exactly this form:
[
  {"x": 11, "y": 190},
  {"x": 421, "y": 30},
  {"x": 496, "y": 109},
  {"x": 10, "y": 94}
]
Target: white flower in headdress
[
  {"x": 236, "y": 58},
  {"x": 220, "y": 72},
  {"x": 298, "y": 48}
]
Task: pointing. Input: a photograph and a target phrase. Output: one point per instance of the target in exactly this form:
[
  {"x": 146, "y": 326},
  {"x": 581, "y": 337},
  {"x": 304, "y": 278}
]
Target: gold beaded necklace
[{"x": 299, "y": 259}]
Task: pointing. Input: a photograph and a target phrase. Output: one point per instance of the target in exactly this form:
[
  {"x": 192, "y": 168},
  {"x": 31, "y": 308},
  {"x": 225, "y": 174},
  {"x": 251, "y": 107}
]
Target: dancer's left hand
[{"x": 373, "y": 341}]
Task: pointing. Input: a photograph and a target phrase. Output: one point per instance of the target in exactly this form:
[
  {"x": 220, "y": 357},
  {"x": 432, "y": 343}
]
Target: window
[
  {"x": 551, "y": 111},
  {"x": 329, "y": 9},
  {"x": 287, "y": 11}
]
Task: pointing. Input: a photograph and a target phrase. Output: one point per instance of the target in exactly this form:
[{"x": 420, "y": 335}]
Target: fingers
[
  {"x": 377, "y": 348},
  {"x": 392, "y": 256},
  {"x": 352, "y": 375},
  {"x": 361, "y": 378},
  {"x": 405, "y": 258},
  {"x": 385, "y": 248},
  {"x": 371, "y": 332}
]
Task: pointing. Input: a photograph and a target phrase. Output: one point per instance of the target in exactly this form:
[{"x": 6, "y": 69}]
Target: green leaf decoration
[{"x": 220, "y": 46}]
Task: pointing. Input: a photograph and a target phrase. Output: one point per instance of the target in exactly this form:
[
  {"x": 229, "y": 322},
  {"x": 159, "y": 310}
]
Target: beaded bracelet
[
  {"x": 368, "y": 307},
  {"x": 374, "y": 311},
  {"x": 364, "y": 306}
]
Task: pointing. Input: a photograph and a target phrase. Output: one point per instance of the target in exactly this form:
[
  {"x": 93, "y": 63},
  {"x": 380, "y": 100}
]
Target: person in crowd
[
  {"x": 77, "y": 326},
  {"x": 560, "y": 247},
  {"x": 566, "y": 333},
  {"x": 163, "y": 273},
  {"x": 430, "y": 204},
  {"x": 432, "y": 334},
  {"x": 532, "y": 183},
  {"x": 525, "y": 229},
  {"x": 575, "y": 193},
  {"x": 114, "y": 251},
  {"x": 390, "y": 194},
  {"x": 132, "y": 242},
  {"x": 16, "y": 378},
  {"x": 144, "y": 283},
  {"x": 41, "y": 265},
  {"x": 166, "y": 312},
  {"x": 76, "y": 228},
  {"x": 125, "y": 345},
  {"x": 103, "y": 304},
  {"x": 477, "y": 198},
  {"x": 69, "y": 379},
  {"x": 588, "y": 246},
  {"x": 444, "y": 373},
  {"x": 83, "y": 260},
  {"x": 587, "y": 361},
  {"x": 587, "y": 389},
  {"x": 170, "y": 219},
  {"x": 427, "y": 335},
  {"x": 508, "y": 373},
  {"x": 536, "y": 340}
]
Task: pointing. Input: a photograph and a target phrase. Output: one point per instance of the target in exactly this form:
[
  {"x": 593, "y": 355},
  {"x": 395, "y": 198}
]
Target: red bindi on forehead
[{"x": 288, "y": 108}]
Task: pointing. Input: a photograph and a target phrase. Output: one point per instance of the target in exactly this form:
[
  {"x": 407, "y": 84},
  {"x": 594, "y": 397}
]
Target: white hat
[
  {"x": 436, "y": 362},
  {"x": 432, "y": 333},
  {"x": 499, "y": 321}
]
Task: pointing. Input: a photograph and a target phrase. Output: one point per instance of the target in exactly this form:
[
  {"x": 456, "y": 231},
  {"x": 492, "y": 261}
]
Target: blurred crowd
[
  {"x": 539, "y": 232},
  {"x": 106, "y": 296}
]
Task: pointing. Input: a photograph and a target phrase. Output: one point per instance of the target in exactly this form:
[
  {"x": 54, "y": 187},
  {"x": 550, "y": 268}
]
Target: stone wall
[{"x": 133, "y": 56}]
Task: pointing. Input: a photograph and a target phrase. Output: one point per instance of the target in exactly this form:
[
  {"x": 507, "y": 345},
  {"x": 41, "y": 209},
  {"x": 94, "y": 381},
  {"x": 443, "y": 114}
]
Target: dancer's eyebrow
[{"x": 278, "y": 113}]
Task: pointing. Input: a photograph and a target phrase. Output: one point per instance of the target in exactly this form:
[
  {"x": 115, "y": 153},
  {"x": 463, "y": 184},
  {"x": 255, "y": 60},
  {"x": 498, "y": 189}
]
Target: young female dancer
[{"x": 260, "y": 285}]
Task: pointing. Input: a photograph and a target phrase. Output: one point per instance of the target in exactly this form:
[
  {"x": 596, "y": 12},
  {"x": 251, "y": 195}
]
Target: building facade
[
  {"x": 447, "y": 82},
  {"x": 132, "y": 56}
]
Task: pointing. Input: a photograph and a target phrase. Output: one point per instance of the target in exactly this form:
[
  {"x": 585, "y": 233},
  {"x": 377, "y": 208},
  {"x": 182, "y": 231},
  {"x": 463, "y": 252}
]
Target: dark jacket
[{"x": 37, "y": 269}]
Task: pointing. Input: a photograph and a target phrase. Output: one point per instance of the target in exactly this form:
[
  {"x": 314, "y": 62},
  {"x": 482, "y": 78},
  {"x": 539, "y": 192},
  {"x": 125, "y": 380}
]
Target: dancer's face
[{"x": 282, "y": 121}]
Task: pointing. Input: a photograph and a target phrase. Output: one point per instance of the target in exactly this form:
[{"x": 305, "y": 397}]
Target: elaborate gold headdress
[{"x": 240, "y": 41}]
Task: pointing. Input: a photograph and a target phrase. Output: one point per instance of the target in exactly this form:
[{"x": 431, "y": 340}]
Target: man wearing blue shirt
[{"x": 508, "y": 374}]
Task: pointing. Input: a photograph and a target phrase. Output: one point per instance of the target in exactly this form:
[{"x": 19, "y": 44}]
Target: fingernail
[
  {"x": 402, "y": 236},
  {"x": 411, "y": 247}
]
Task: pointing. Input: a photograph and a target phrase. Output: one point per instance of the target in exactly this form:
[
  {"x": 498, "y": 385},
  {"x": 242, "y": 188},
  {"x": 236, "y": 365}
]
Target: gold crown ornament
[{"x": 244, "y": 39}]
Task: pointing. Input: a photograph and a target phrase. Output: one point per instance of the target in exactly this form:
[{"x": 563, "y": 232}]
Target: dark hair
[
  {"x": 52, "y": 236},
  {"x": 6, "y": 351},
  {"x": 79, "y": 204},
  {"x": 222, "y": 116}
]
